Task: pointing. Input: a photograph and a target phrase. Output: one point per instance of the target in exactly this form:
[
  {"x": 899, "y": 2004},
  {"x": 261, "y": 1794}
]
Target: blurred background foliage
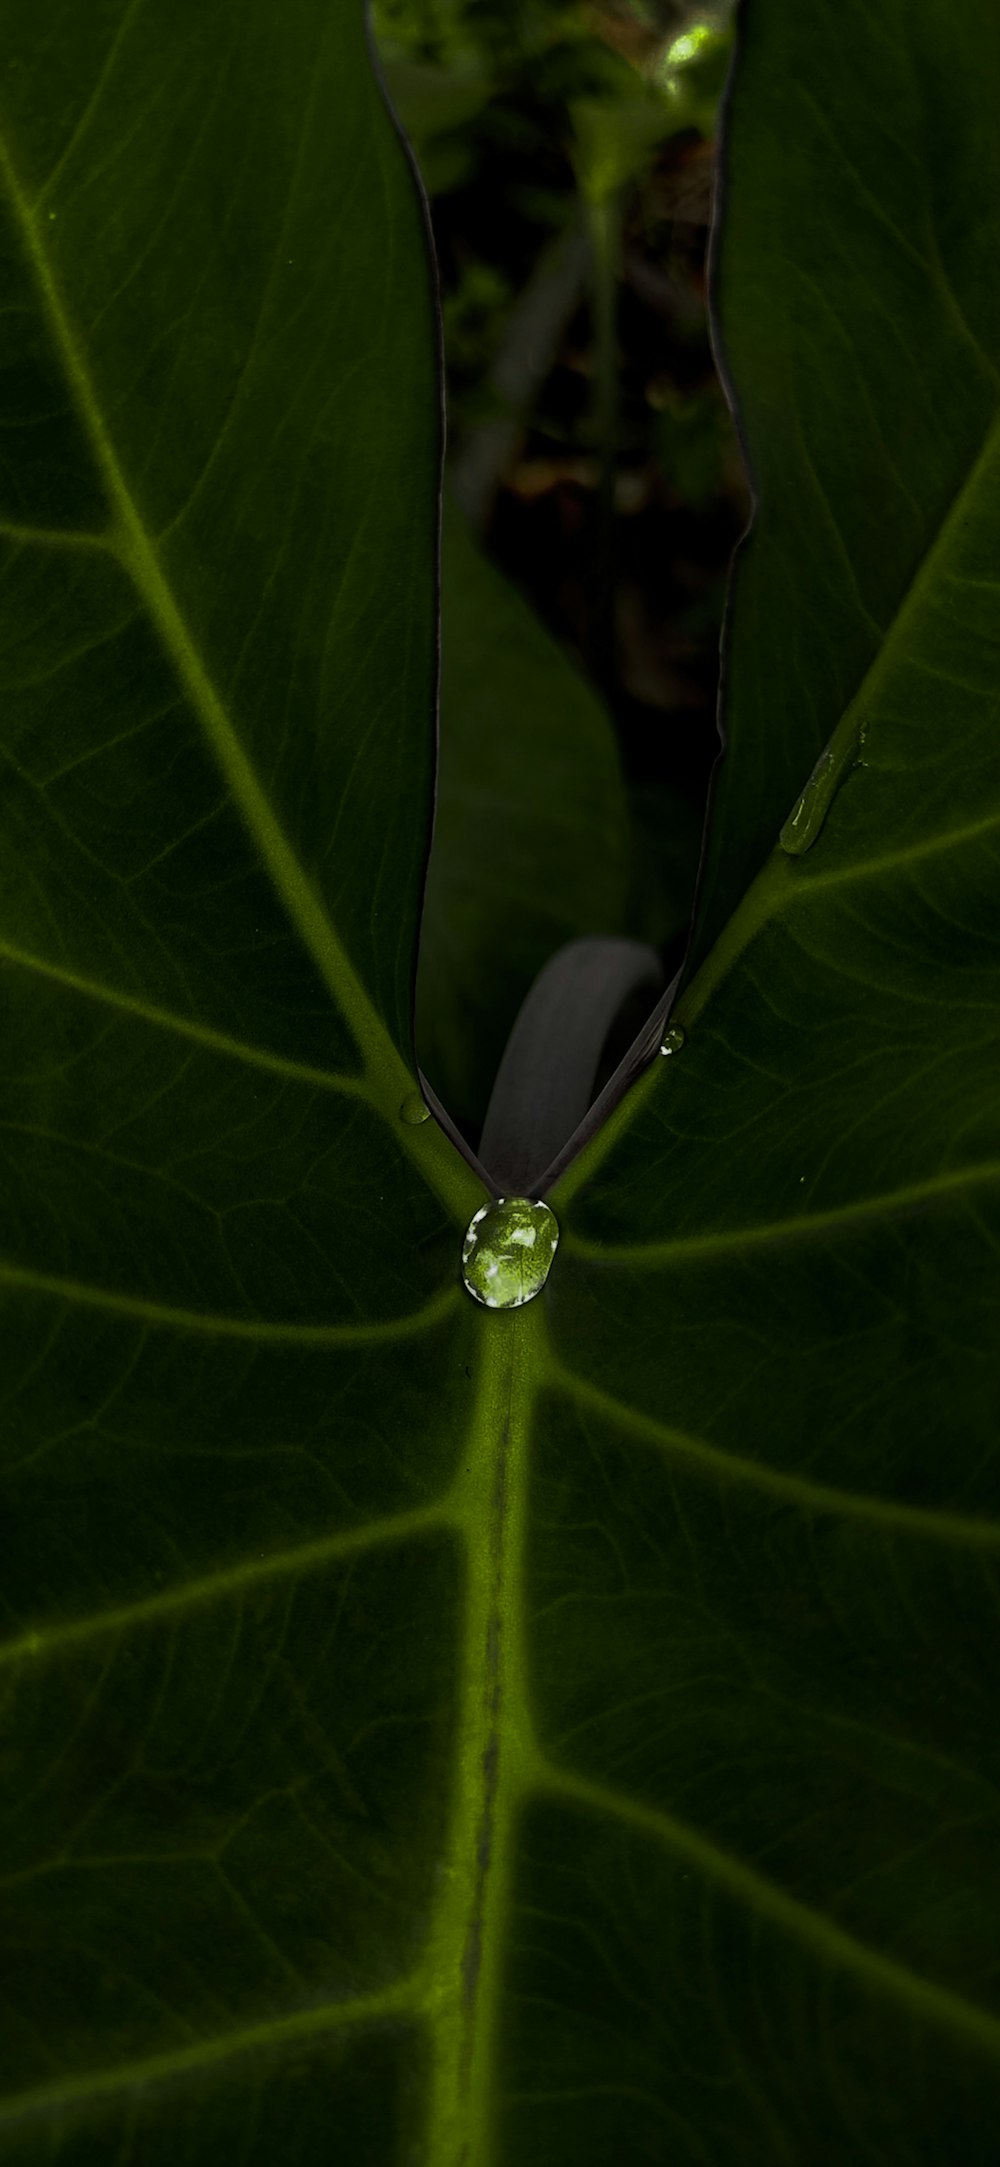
[{"x": 568, "y": 154}]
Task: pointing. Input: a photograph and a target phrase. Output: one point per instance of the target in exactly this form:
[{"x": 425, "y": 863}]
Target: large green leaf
[
  {"x": 860, "y": 186},
  {"x": 233, "y": 1341},
  {"x": 435, "y": 1734}
]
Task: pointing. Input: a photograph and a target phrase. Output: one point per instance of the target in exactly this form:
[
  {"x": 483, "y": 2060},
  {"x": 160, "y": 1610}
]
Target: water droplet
[
  {"x": 507, "y": 1251},
  {"x": 673, "y": 1038},
  {"x": 414, "y": 1109},
  {"x": 810, "y": 810}
]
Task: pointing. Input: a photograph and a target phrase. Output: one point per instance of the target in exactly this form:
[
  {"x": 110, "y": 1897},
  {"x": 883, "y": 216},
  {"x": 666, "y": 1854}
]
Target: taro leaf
[
  {"x": 859, "y": 192},
  {"x": 235, "y": 1352},
  {"x": 433, "y": 1734},
  {"x": 531, "y": 834}
]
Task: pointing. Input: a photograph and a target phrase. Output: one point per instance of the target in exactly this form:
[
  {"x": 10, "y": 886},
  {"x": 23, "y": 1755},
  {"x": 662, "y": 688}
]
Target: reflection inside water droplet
[
  {"x": 673, "y": 1039},
  {"x": 810, "y": 810},
  {"x": 507, "y": 1251},
  {"x": 832, "y": 769},
  {"x": 414, "y": 1110}
]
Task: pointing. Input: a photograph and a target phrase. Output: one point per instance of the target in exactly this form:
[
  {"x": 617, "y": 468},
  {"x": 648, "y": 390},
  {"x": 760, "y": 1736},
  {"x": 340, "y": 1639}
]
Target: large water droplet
[
  {"x": 810, "y": 810},
  {"x": 508, "y": 1248},
  {"x": 413, "y": 1109},
  {"x": 674, "y": 1037}
]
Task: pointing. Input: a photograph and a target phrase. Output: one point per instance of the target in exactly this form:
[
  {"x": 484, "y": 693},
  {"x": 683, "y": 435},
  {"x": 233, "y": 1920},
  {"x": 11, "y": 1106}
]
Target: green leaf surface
[
  {"x": 531, "y": 834},
  {"x": 435, "y": 1736},
  {"x": 860, "y": 331}
]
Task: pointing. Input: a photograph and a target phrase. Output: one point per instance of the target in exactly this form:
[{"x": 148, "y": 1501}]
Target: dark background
[{"x": 593, "y": 454}]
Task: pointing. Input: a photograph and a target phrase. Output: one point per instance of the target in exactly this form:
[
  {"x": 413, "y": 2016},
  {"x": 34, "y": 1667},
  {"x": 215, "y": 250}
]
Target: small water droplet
[
  {"x": 810, "y": 810},
  {"x": 414, "y": 1109},
  {"x": 674, "y": 1037},
  {"x": 507, "y": 1251}
]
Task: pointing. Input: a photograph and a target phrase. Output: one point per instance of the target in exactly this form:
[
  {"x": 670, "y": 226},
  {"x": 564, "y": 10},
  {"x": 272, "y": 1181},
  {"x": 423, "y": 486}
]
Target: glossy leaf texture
[
  {"x": 531, "y": 829},
  {"x": 432, "y": 1735}
]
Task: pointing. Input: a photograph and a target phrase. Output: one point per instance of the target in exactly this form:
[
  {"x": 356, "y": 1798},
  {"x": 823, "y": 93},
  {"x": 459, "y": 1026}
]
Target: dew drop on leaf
[
  {"x": 508, "y": 1248},
  {"x": 414, "y": 1109},
  {"x": 810, "y": 810},
  {"x": 673, "y": 1039}
]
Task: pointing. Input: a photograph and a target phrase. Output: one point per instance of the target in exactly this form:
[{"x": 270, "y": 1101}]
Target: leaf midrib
[
  {"x": 217, "y": 1325},
  {"x": 732, "y": 1241},
  {"x": 256, "y": 1569},
  {"x": 924, "y": 1523},
  {"x": 386, "y": 1073},
  {"x": 783, "y": 881},
  {"x": 202, "y": 1034},
  {"x": 386, "y": 1076},
  {"x": 413, "y": 1996}
]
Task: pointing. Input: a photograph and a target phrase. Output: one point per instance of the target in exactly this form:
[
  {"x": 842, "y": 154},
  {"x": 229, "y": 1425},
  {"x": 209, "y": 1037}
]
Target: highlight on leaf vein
[{"x": 508, "y": 1250}]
